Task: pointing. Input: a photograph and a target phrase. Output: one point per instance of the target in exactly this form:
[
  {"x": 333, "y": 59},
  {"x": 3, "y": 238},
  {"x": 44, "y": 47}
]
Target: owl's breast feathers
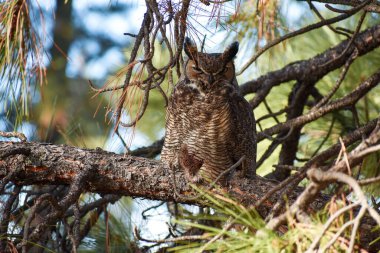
[{"x": 209, "y": 128}]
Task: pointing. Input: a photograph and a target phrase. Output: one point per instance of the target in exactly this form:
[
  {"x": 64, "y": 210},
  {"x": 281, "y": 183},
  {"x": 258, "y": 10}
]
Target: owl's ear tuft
[
  {"x": 190, "y": 49},
  {"x": 230, "y": 52}
]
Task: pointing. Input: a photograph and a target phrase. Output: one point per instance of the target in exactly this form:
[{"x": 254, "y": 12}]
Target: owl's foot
[
  {"x": 195, "y": 179},
  {"x": 226, "y": 175},
  {"x": 191, "y": 165}
]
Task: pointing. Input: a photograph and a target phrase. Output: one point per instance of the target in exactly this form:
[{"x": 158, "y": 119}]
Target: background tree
[{"x": 312, "y": 81}]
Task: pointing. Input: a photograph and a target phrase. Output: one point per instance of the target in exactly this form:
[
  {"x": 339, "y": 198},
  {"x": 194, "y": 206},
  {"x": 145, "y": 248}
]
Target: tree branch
[
  {"x": 365, "y": 42},
  {"x": 354, "y": 157},
  {"x": 117, "y": 174},
  {"x": 372, "y": 7},
  {"x": 348, "y": 100}
]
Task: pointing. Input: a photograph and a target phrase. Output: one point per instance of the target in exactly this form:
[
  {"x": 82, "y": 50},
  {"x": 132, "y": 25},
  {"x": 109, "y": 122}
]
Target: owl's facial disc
[
  {"x": 196, "y": 69},
  {"x": 206, "y": 73}
]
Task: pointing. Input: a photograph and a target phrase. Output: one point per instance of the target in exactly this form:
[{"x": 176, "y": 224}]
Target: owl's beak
[{"x": 210, "y": 79}]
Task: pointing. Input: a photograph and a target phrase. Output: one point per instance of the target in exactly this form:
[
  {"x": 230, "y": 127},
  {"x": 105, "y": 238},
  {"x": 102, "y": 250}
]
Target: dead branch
[
  {"x": 354, "y": 157},
  {"x": 318, "y": 160},
  {"x": 317, "y": 176},
  {"x": 21, "y": 136}
]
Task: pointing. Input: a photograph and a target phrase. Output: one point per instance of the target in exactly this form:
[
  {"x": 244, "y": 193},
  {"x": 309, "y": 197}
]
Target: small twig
[
  {"x": 351, "y": 41},
  {"x": 45, "y": 197},
  {"x": 274, "y": 114},
  {"x": 140, "y": 113},
  {"x": 302, "y": 31},
  {"x": 331, "y": 8},
  {"x": 328, "y": 223},
  {"x": 345, "y": 30},
  {"x": 131, "y": 35},
  {"x": 355, "y": 229},
  {"x": 85, "y": 209},
  {"x": 150, "y": 208},
  {"x": 344, "y": 151},
  {"x": 278, "y": 138},
  {"x": 149, "y": 151},
  {"x": 270, "y": 111},
  {"x": 325, "y": 138},
  {"x": 91, "y": 221},
  {"x": 226, "y": 227},
  {"x": 337, "y": 234},
  {"x": 171, "y": 13},
  {"x": 21, "y": 136},
  {"x": 313, "y": 8},
  {"x": 268, "y": 152},
  {"x": 206, "y": 2},
  {"x": 313, "y": 189},
  {"x": 203, "y": 43},
  {"x": 133, "y": 55},
  {"x": 225, "y": 172},
  {"x": 317, "y": 160},
  {"x": 177, "y": 239},
  {"x": 278, "y": 187},
  {"x": 286, "y": 167},
  {"x": 73, "y": 193},
  {"x": 355, "y": 116},
  {"x": 122, "y": 141},
  {"x": 338, "y": 82},
  {"x": 318, "y": 177},
  {"x": 369, "y": 181}
]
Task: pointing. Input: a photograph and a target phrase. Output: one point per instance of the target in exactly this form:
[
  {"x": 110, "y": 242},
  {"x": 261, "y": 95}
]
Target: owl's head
[{"x": 210, "y": 68}]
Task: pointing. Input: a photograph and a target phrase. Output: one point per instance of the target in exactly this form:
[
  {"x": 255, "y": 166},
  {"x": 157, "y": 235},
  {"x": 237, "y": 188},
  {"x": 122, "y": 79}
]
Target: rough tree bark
[{"x": 26, "y": 163}]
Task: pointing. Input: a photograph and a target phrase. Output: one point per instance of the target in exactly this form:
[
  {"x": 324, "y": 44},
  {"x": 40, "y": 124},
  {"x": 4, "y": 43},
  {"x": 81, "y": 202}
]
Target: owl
[{"x": 209, "y": 124}]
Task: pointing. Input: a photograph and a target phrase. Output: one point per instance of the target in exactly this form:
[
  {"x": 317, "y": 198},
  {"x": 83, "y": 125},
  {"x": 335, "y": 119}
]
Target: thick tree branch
[
  {"x": 315, "y": 67},
  {"x": 348, "y": 100},
  {"x": 116, "y": 174},
  {"x": 297, "y": 100}
]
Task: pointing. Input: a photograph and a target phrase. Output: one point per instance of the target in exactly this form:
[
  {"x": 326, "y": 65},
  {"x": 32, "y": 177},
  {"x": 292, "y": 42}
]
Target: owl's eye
[{"x": 196, "y": 69}]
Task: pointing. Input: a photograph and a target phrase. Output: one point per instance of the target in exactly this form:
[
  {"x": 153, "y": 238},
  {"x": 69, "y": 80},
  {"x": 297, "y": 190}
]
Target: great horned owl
[{"x": 209, "y": 124}]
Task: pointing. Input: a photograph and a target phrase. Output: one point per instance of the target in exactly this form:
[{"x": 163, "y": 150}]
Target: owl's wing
[
  {"x": 175, "y": 121},
  {"x": 244, "y": 131}
]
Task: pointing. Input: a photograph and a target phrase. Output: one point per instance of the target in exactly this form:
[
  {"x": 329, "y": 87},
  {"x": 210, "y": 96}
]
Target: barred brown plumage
[{"x": 209, "y": 124}]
